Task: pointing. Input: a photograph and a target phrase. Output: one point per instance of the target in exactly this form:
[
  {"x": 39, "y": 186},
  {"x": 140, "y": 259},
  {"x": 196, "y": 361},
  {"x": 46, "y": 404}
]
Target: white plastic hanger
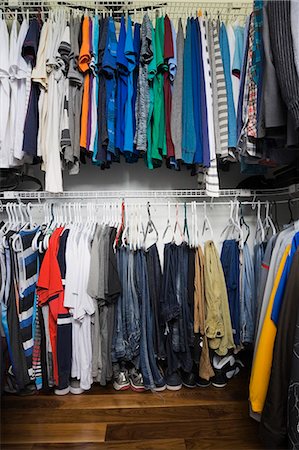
[
  {"x": 168, "y": 224},
  {"x": 177, "y": 225},
  {"x": 268, "y": 222},
  {"x": 259, "y": 224},
  {"x": 206, "y": 226}
]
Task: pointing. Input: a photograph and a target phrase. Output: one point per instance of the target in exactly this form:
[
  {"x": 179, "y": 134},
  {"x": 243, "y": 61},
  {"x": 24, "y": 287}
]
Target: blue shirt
[
  {"x": 122, "y": 87},
  {"x": 188, "y": 129},
  {"x": 131, "y": 61},
  {"x": 283, "y": 280},
  {"x": 109, "y": 68}
]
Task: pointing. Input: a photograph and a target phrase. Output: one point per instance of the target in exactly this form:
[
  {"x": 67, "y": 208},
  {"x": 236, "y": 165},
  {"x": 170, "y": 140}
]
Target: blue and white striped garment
[{"x": 28, "y": 275}]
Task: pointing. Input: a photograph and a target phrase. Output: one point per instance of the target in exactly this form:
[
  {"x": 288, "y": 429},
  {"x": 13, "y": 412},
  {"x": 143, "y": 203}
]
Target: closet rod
[
  {"x": 211, "y": 205},
  {"x": 173, "y": 193},
  {"x": 129, "y": 4}
]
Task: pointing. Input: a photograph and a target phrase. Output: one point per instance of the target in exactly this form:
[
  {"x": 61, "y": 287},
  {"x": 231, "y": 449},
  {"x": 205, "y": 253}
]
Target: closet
[{"x": 149, "y": 224}]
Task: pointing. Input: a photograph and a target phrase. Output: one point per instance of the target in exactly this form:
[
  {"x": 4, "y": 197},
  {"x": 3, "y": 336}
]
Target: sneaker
[
  {"x": 136, "y": 380},
  {"x": 201, "y": 382},
  {"x": 75, "y": 387},
  {"x": 173, "y": 382},
  {"x": 160, "y": 387},
  {"x": 122, "y": 381},
  {"x": 224, "y": 369},
  {"x": 64, "y": 391},
  {"x": 188, "y": 379}
]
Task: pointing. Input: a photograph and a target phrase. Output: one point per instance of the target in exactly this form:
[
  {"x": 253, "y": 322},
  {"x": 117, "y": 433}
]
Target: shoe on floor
[
  {"x": 121, "y": 380},
  {"x": 188, "y": 379},
  {"x": 160, "y": 387},
  {"x": 75, "y": 387},
  {"x": 64, "y": 391},
  {"x": 136, "y": 380},
  {"x": 173, "y": 382},
  {"x": 224, "y": 368},
  {"x": 201, "y": 382}
]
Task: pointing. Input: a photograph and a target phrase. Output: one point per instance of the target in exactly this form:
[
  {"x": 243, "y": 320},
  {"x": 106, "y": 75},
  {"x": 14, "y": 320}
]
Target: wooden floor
[{"x": 189, "y": 419}]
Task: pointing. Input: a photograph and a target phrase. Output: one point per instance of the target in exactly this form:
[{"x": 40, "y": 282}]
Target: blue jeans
[
  {"x": 247, "y": 298},
  {"x": 126, "y": 337},
  {"x": 176, "y": 309},
  {"x": 231, "y": 268},
  {"x": 150, "y": 372}
]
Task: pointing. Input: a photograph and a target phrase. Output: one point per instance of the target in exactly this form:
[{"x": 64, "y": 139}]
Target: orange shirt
[
  {"x": 50, "y": 290},
  {"x": 84, "y": 61}
]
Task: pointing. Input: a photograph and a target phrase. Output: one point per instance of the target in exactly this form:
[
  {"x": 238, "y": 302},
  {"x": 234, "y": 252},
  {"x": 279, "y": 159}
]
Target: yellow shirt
[{"x": 261, "y": 368}]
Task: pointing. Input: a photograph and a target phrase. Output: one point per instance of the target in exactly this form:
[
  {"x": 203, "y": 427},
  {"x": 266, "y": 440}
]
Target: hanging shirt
[
  {"x": 209, "y": 96},
  {"x": 282, "y": 284},
  {"x": 225, "y": 53},
  {"x": 177, "y": 95},
  {"x": 137, "y": 46},
  {"x": 91, "y": 77},
  {"x": 29, "y": 52},
  {"x": 168, "y": 54},
  {"x": 188, "y": 132},
  {"x": 143, "y": 87},
  {"x": 196, "y": 89},
  {"x": 4, "y": 93},
  {"x": 122, "y": 87},
  {"x": 84, "y": 61},
  {"x": 95, "y": 91},
  {"x": 152, "y": 70},
  {"x": 109, "y": 68},
  {"x": 158, "y": 126},
  {"x": 131, "y": 61},
  {"x": 101, "y": 156},
  {"x": 50, "y": 291}
]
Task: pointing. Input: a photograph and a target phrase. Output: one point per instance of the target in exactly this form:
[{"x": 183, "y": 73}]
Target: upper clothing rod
[{"x": 158, "y": 193}]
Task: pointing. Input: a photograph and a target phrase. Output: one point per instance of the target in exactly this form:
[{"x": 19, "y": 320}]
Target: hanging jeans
[
  {"x": 231, "y": 268},
  {"x": 247, "y": 298},
  {"x": 176, "y": 310},
  {"x": 126, "y": 338},
  {"x": 150, "y": 372},
  {"x": 155, "y": 289}
]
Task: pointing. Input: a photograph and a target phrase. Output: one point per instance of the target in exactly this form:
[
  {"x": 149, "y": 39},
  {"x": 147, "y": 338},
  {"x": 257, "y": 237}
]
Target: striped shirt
[{"x": 28, "y": 273}]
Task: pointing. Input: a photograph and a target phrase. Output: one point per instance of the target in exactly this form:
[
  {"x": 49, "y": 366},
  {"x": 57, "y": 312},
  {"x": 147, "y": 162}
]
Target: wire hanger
[
  {"x": 150, "y": 226},
  {"x": 259, "y": 223},
  {"x": 206, "y": 226},
  {"x": 244, "y": 223},
  {"x": 177, "y": 225},
  {"x": 186, "y": 230},
  {"x": 290, "y": 211},
  {"x": 168, "y": 224}
]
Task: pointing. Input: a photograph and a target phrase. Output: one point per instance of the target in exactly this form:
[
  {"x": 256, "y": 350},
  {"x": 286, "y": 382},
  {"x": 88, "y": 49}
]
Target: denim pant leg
[
  {"x": 171, "y": 308},
  {"x": 157, "y": 377},
  {"x": 231, "y": 269},
  {"x": 118, "y": 345},
  {"x": 132, "y": 312},
  {"x": 155, "y": 291},
  {"x": 144, "y": 357},
  {"x": 247, "y": 319},
  {"x": 185, "y": 353}
]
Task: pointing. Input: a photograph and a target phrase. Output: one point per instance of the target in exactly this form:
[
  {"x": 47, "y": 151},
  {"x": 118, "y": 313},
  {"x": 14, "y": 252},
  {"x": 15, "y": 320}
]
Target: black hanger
[
  {"x": 243, "y": 222},
  {"x": 275, "y": 217},
  {"x": 290, "y": 211}
]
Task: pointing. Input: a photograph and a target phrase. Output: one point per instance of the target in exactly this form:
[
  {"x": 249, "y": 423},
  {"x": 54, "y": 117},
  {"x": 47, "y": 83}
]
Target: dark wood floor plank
[
  {"x": 193, "y": 428},
  {"x": 229, "y": 410},
  {"x": 129, "y": 399},
  {"x": 59, "y": 433},
  {"x": 221, "y": 443},
  {"x": 156, "y": 444}
]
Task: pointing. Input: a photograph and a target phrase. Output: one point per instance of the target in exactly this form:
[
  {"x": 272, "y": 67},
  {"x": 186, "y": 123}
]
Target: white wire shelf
[{"x": 149, "y": 194}]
